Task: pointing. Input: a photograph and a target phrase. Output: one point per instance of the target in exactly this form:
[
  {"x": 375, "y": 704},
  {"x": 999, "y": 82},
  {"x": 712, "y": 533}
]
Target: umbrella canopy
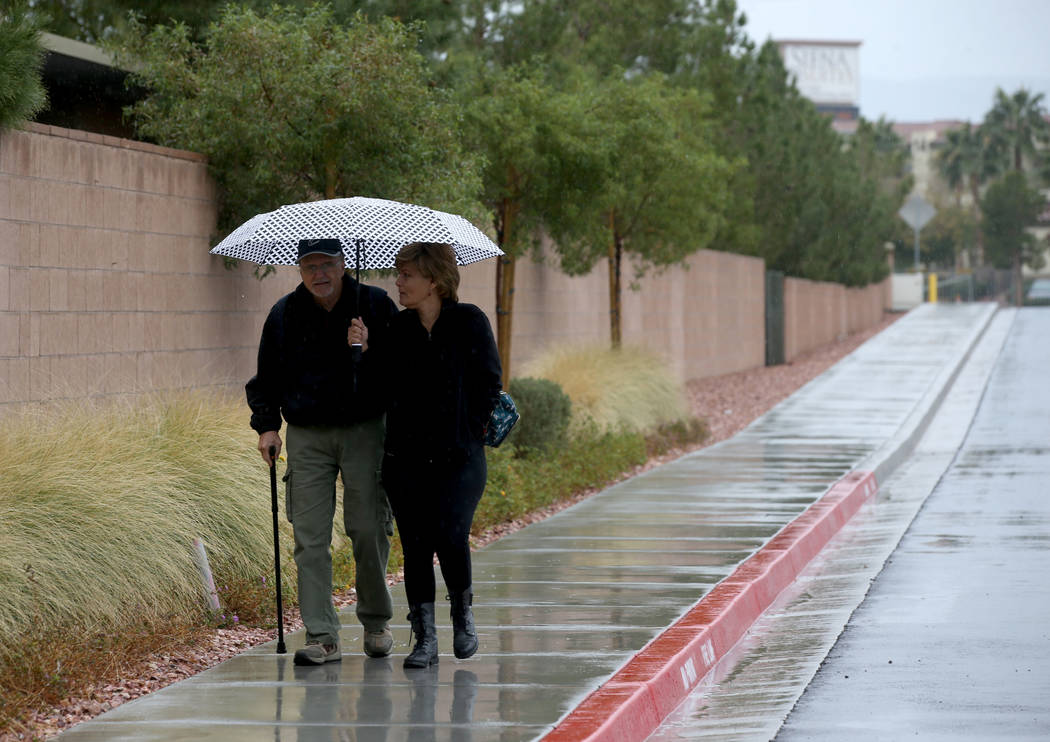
[{"x": 377, "y": 226}]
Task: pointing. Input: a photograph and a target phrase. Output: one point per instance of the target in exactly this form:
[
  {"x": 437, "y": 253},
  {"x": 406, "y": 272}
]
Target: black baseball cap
[{"x": 325, "y": 246}]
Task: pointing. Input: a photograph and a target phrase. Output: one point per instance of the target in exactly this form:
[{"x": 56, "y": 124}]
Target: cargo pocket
[{"x": 287, "y": 479}]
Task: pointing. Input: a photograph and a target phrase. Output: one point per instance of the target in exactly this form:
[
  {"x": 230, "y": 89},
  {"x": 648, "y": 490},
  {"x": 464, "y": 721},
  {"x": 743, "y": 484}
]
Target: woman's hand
[{"x": 357, "y": 334}]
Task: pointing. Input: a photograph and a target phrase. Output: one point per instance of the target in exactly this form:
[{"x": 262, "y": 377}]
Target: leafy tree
[
  {"x": 75, "y": 19},
  {"x": 1017, "y": 125},
  {"x": 605, "y": 35},
  {"x": 795, "y": 186},
  {"x": 717, "y": 54},
  {"x": 721, "y": 61},
  {"x": 821, "y": 208},
  {"x": 845, "y": 228},
  {"x": 94, "y": 21},
  {"x": 22, "y": 91},
  {"x": 952, "y": 232},
  {"x": 697, "y": 44},
  {"x": 663, "y": 189},
  {"x": 542, "y": 157},
  {"x": 882, "y": 155},
  {"x": 290, "y": 107},
  {"x": 1010, "y": 206},
  {"x": 444, "y": 23},
  {"x": 779, "y": 206}
]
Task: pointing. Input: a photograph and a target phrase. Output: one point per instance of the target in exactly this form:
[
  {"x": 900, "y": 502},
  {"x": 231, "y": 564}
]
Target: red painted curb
[{"x": 641, "y": 694}]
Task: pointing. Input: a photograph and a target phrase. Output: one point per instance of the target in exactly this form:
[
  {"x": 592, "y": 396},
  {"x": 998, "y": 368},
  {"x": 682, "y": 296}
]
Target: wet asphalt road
[{"x": 953, "y": 640}]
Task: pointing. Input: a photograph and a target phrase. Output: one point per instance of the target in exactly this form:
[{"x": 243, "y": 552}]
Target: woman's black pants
[{"x": 434, "y": 504}]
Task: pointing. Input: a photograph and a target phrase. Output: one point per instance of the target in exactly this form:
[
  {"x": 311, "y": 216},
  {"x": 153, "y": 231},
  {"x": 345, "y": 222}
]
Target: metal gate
[{"x": 774, "y": 318}]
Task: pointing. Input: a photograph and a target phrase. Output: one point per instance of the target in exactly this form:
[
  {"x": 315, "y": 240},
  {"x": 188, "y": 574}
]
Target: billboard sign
[{"x": 825, "y": 72}]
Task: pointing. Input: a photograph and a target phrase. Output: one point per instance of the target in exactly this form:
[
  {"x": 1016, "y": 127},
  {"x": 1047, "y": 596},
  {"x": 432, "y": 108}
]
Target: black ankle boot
[
  {"x": 425, "y": 652},
  {"x": 465, "y": 636}
]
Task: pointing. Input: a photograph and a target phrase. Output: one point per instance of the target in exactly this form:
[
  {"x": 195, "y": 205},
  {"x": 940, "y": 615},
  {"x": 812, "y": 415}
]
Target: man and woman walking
[{"x": 404, "y": 418}]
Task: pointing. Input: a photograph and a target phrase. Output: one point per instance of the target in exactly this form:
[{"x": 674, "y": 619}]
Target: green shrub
[{"x": 545, "y": 413}]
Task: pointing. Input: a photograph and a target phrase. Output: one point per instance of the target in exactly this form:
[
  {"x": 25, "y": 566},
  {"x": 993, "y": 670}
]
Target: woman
[{"x": 443, "y": 376}]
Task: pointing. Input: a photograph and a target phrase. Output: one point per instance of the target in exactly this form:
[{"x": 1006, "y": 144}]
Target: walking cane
[{"x": 276, "y": 550}]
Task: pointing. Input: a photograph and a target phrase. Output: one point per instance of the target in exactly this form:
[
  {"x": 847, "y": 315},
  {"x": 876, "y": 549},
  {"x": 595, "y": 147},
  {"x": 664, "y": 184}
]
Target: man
[{"x": 331, "y": 401}]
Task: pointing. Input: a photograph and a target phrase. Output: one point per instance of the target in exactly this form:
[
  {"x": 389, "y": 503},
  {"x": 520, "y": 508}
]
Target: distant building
[
  {"x": 925, "y": 140},
  {"x": 85, "y": 88},
  {"x": 826, "y": 72}
]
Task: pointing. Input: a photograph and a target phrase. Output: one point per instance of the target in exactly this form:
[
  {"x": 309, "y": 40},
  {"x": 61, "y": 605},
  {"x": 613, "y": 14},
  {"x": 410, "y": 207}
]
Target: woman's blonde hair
[{"x": 437, "y": 262}]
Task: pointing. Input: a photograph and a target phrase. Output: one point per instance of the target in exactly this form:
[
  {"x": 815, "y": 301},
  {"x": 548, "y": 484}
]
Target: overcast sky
[{"x": 923, "y": 60}]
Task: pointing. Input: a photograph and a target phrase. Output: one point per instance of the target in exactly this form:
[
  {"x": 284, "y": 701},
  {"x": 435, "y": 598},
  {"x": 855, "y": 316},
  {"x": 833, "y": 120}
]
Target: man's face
[{"x": 323, "y": 276}]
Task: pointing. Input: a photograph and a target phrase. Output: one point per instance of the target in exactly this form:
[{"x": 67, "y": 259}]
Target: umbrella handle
[
  {"x": 357, "y": 271},
  {"x": 355, "y": 349},
  {"x": 357, "y": 277},
  {"x": 276, "y": 550}
]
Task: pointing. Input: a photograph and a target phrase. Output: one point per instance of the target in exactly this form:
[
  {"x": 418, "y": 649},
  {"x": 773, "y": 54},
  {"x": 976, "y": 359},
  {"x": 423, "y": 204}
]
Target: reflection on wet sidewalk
[{"x": 369, "y": 705}]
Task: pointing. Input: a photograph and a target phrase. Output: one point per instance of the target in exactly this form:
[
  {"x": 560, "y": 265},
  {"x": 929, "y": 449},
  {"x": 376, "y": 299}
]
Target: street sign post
[{"x": 916, "y": 213}]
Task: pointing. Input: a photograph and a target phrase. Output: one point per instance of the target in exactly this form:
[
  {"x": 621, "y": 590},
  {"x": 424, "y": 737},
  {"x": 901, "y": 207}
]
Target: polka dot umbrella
[{"x": 372, "y": 228}]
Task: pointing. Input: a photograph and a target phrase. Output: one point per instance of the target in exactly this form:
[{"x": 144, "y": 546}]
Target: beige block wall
[
  {"x": 817, "y": 313},
  {"x": 705, "y": 319},
  {"x": 107, "y": 287}
]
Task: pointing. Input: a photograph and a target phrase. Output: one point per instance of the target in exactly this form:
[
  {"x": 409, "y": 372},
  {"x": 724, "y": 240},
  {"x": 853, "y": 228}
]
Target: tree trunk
[
  {"x": 1018, "y": 280},
  {"x": 504, "y": 309},
  {"x": 505, "y": 287},
  {"x": 979, "y": 236},
  {"x": 329, "y": 179},
  {"x": 615, "y": 305}
]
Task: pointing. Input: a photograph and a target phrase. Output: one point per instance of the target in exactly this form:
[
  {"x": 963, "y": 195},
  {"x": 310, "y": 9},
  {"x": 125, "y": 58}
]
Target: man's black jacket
[{"x": 305, "y": 370}]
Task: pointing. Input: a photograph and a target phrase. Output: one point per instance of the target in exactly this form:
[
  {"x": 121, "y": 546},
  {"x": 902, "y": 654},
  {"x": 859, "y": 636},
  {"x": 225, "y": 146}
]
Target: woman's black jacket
[{"x": 441, "y": 385}]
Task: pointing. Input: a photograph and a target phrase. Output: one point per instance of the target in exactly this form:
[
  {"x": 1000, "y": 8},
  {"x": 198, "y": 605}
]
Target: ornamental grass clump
[
  {"x": 100, "y": 503},
  {"x": 626, "y": 388}
]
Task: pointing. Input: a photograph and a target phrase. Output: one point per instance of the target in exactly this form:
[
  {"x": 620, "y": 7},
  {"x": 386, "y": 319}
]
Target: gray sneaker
[
  {"x": 379, "y": 643},
  {"x": 315, "y": 653}
]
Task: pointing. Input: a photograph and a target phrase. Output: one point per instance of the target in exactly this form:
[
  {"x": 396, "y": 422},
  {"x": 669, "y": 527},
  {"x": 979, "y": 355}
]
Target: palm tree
[
  {"x": 967, "y": 159},
  {"x": 1018, "y": 125}
]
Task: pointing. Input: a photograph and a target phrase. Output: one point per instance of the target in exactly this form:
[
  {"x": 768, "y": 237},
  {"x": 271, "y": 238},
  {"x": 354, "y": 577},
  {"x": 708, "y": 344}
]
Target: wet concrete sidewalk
[{"x": 563, "y": 604}]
